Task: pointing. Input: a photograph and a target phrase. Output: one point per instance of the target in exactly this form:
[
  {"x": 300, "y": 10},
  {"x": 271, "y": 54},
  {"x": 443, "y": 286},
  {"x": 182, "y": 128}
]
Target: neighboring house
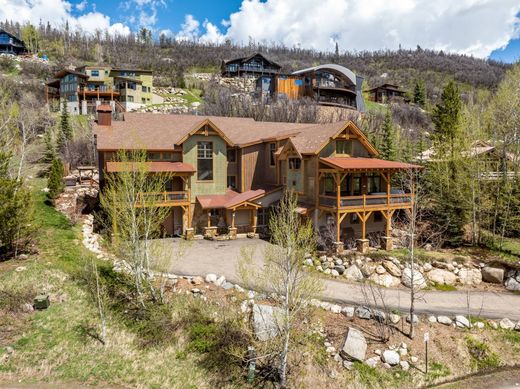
[
  {"x": 10, "y": 44},
  {"x": 385, "y": 93},
  {"x": 252, "y": 66},
  {"x": 492, "y": 163},
  {"x": 328, "y": 85},
  {"x": 229, "y": 172},
  {"x": 87, "y": 87}
]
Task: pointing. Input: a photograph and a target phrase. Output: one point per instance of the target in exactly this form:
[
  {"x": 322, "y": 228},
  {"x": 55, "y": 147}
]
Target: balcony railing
[
  {"x": 367, "y": 201},
  {"x": 163, "y": 198}
]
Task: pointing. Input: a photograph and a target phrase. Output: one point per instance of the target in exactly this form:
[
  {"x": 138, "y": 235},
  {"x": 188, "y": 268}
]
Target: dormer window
[{"x": 295, "y": 163}]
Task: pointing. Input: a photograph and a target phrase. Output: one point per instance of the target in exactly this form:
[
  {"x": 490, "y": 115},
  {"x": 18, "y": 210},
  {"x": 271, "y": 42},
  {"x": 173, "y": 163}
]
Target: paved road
[{"x": 203, "y": 257}]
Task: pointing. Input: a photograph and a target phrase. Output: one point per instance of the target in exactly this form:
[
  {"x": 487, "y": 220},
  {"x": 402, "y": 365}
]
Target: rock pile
[{"x": 390, "y": 272}]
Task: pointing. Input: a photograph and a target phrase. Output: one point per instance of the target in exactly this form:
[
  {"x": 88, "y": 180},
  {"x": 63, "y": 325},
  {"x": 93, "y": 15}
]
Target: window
[
  {"x": 272, "y": 151},
  {"x": 204, "y": 161},
  {"x": 130, "y": 99},
  {"x": 231, "y": 155},
  {"x": 154, "y": 156},
  {"x": 295, "y": 163},
  {"x": 143, "y": 100},
  {"x": 262, "y": 215},
  {"x": 232, "y": 182},
  {"x": 167, "y": 156},
  {"x": 356, "y": 185},
  {"x": 374, "y": 183},
  {"x": 344, "y": 147},
  {"x": 328, "y": 184},
  {"x": 94, "y": 73}
]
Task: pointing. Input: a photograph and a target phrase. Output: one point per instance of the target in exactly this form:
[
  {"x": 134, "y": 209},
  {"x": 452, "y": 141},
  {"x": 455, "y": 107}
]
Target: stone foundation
[
  {"x": 232, "y": 233},
  {"x": 387, "y": 243},
  {"x": 339, "y": 247},
  {"x": 189, "y": 234},
  {"x": 362, "y": 245},
  {"x": 210, "y": 232}
]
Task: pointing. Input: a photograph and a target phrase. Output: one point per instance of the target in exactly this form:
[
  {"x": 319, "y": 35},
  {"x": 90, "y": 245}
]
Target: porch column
[
  {"x": 209, "y": 218},
  {"x": 363, "y": 243},
  {"x": 255, "y": 219},
  {"x": 233, "y": 229}
]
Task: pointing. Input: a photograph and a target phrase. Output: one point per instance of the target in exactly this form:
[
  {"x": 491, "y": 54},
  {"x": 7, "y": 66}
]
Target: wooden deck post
[
  {"x": 233, "y": 219},
  {"x": 363, "y": 226},
  {"x": 255, "y": 219},
  {"x": 209, "y": 218}
]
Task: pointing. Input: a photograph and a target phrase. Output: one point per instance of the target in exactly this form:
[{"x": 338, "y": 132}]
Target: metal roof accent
[{"x": 331, "y": 66}]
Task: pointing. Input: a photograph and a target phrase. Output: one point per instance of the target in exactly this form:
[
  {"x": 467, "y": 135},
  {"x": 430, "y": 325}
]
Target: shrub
[
  {"x": 55, "y": 180},
  {"x": 482, "y": 358}
]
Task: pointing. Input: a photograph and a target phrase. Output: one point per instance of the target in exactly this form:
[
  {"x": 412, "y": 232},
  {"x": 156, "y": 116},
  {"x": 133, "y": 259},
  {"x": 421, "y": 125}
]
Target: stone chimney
[{"x": 104, "y": 114}]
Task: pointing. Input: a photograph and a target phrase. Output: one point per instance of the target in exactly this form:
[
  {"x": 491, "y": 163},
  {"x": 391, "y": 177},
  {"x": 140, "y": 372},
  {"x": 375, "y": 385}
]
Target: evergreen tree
[
  {"x": 388, "y": 146},
  {"x": 65, "y": 129},
  {"x": 50, "y": 148},
  {"x": 55, "y": 180},
  {"x": 419, "y": 94},
  {"x": 447, "y": 117}
]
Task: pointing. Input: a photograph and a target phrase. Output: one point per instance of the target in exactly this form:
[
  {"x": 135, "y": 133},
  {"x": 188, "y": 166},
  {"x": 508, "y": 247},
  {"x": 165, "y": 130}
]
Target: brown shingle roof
[
  {"x": 230, "y": 199},
  {"x": 355, "y": 163},
  {"x": 162, "y": 132}
]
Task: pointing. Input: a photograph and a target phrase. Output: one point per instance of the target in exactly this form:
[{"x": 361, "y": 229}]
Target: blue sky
[{"x": 482, "y": 28}]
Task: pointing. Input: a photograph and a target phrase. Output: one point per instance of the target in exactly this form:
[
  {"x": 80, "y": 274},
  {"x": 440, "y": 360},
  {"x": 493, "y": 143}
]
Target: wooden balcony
[
  {"x": 164, "y": 199},
  {"x": 363, "y": 203}
]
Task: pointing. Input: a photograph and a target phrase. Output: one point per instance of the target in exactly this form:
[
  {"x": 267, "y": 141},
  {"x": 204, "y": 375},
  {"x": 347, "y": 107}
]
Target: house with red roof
[{"x": 228, "y": 173}]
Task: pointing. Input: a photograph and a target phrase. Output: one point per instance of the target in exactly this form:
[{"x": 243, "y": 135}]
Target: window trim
[
  {"x": 272, "y": 156},
  {"x": 205, "y": 158},
  {"x": 294, "y": 159}
]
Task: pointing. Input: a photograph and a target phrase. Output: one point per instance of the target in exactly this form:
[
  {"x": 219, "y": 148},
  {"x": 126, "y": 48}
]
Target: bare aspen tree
[
  {"x": 130, "y": 201},
  {"x": 292, "y": 236}
]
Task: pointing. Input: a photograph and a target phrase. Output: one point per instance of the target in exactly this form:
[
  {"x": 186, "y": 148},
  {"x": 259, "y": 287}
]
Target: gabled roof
[
  {"x": 62, "y": 73},
  {"x": 230, "y": 200},
  {"x": 247, "y": 59},
  {"x": 393, "y": 87},
  {"x": 164, "y": 132}
]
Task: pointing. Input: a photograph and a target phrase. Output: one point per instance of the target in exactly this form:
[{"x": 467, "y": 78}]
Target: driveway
[{"x": 202, "y": 257}]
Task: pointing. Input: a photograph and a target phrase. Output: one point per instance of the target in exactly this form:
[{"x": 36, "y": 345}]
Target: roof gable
[{"x": 206, "y": 128}]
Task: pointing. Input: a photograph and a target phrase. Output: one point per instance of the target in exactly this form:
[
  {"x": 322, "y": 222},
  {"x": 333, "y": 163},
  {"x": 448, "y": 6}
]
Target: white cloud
[
  {"x": 473, "y": 27},
  {"x": 189, "y": 29},
  {"x": 57, "y": 13},
  {"x": 212, "y": 34},
  {"x": 81, "y": 6}
]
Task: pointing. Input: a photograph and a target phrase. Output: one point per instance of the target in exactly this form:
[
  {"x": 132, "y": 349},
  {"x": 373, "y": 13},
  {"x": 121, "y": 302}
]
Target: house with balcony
[
  {"x": 253, "y": 66},
  {"x": 386, "y": 93},
  {"x": 229, "y": 173},
  {"x": 86, "y": 87},
  {"x": 10, "y": 44}
]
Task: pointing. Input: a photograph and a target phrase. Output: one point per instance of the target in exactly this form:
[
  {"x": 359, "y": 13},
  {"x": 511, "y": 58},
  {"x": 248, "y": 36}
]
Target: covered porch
[
  {"x": 356, "y": 196},
  {"x": 176, "y": 194},
  {"x": 232, "y": 214}
]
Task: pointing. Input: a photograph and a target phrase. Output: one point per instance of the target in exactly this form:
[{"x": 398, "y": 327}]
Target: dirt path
[{"x": 204, "y": 257}]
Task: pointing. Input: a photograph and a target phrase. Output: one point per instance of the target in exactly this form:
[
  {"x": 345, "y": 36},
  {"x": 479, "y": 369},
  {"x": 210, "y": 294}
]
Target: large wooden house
[
  {"x": 385, "y": 93},
  {"x": 255, "y": 65},
  {"x": 87, "y": 87},
  {"x": 10, "y": 44},
  {"x": 229, "y": 172}
]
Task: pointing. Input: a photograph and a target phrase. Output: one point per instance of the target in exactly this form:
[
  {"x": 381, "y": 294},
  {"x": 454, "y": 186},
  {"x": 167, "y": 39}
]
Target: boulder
[
  {"x": 348, "y": 311},
  {"x": 494, "y": 275},
  {"x": 442, "y": 277},
  {"x": 363, "y": 313},
  {"x": 427, "y": 267},
  {"x": 368, "y": 269},
  {"x": 372, "y": 362},
  {"x": 391, "y": 357},
  {"x": 385, "y": 280},
  {"x": 197, "y": 280},
  {"x": 462, "y": 321},
  {"x": 265, "y": 320},
  {"x": 404, "y": 365},
  {"x": 353, "y": 273},
  {"x": 470, "y": 276},
  {"x": 355, "y": 346},
  {"x": 220, "y": 281},
  {"x": 414, "y": 319},
  {"x": 380, "y": 269},
  {"x": 211, "y": 277},
  {"x": 432, "y": 319},
  {"x": 479, "y": 325},
  {"x": 334, "y": 273},
  {"x": 418, "y": 279},
  {"x": 512, "y": 284},
  {"x": 392, "y": 268},
  {"x": 506, "y": 324},
  {"x": 444, "y": 320},
  {"x": 517, "y": 326},
  {"x": 334, "y": 308},
  {"x": 340, "y": 269},
  {"x": 394, "y": 318}
]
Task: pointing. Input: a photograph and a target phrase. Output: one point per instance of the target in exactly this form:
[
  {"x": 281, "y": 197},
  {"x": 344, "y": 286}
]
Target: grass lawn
[{"x": 53, "y": 345}]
